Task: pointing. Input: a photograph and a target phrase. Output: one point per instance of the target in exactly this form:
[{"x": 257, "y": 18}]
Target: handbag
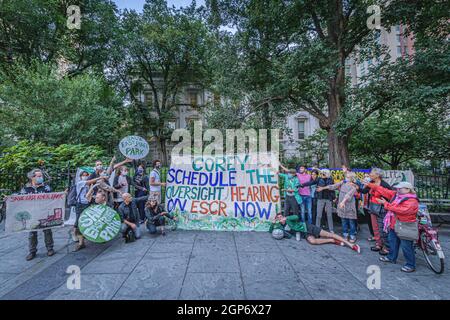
[
  {"x": 407, "y": 230},
  {"x": 375, "y": 208}
]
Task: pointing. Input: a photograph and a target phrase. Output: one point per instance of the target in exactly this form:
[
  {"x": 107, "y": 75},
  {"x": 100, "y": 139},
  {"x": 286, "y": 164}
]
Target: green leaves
[{"x": 38, "y": 104}]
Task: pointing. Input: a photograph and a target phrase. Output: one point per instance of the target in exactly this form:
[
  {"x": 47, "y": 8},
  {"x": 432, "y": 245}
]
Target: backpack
[
  {"x": 129, "y": 236},
  {"x": 72, "y": 196}
]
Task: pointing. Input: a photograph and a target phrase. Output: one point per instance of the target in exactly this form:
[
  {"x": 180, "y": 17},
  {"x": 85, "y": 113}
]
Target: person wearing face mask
[
  {"x": 99, "y": 170},
  {"x": 82, "y": 188},
  {"x": 292, "y": 198},
  {"x": 142, "y": 187},
  {"x": 36, "y": 184},
  {"x": 155, "y": 181},
  {"x": 123, "y": 183},
  {"x": 402, "y": 206}
]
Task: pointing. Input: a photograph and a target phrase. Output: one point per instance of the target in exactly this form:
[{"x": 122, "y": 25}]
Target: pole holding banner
[{"x": 134, "y": 147}]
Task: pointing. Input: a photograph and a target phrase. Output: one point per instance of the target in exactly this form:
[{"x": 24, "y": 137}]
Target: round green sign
[{"x": 99, "y": 223}]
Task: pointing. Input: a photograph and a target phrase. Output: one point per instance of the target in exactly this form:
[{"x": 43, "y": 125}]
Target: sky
[{"x": 139, "y": 4}]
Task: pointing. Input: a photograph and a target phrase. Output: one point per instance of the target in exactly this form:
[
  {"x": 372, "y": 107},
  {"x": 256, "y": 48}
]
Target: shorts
[{"x": 313, "y": 230}]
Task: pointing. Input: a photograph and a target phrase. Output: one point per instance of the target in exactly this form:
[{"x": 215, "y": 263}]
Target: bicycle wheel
[{"x": 432, "y": 253}]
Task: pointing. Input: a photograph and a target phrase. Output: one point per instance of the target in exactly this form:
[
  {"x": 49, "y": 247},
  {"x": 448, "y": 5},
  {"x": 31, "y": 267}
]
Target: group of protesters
[
  {"x": 308, "y": 194},
  {"x": 95, "y": 189}
]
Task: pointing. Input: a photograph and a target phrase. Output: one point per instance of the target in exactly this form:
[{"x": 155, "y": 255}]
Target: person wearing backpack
[
  {"x": 81, "y": 203},
  {"x": 402, "y": 209}
]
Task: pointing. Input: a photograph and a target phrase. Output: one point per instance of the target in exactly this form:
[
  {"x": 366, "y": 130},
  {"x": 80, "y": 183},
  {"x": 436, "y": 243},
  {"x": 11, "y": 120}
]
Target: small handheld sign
[
  {"x": 134, "y": 147},
  {"x": 99, "y": 223}
]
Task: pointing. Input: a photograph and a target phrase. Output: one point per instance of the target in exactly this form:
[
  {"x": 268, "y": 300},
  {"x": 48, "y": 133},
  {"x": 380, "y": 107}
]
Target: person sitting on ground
[
  {"x": 36, "y": 184},
  {"x": 346, "y": 208},
  {"x": 403, "y": 206},
  {"x": 314, "y": 234},
  {"x": 155, "y": 216}
]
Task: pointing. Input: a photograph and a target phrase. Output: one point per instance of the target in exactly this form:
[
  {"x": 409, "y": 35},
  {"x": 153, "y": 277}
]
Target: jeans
[
  {"x": 140, "y": 204},
  {"x": 291, "y": 206},
  {"x": 151, "y": 227},
  {"x": 321, "y": 204},
  {"x": 33, "y": 240},
  {"x": 407, "y": 247},
  {"x": 137, "y": 232},
  {"x": 306, "y": 206},
  {"x": 349, "y": 224}
]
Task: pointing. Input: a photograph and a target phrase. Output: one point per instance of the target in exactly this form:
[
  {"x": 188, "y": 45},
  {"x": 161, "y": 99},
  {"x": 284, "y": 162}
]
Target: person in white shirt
[{"x": 155, "y": 181}]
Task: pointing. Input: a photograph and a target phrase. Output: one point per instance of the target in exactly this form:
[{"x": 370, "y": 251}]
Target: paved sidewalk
[{"x": 210, "y": 265}]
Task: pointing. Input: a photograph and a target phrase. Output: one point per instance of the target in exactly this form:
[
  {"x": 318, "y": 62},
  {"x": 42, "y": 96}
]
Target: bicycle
[{"x": 428, "y": 242}]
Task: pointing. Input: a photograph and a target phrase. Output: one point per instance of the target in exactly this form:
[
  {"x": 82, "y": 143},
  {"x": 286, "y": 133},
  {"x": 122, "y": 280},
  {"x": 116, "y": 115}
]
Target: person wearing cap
[
  {"x": 377, "y": 211},
  {"x": 402, "y": 205},
  {"x": 292, "y": 198},
  {"x": 36, "y": 184}
]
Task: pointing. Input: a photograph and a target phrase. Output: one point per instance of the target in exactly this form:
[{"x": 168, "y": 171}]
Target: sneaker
[
  {"x": 50, "y": 252},
  {"x": 31, "y": 256},
  {"x": 163, "y": 233},
  {"x": 352, "y": 239},
  {"x": 407, "y": 269},
  {"x": 386, "y": 259},
  {"x": 356, "y": 248}
]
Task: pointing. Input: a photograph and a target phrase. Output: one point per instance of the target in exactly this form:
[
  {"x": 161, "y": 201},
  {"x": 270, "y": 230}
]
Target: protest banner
[
  {"x": 223, "y": 193},
  {"x": 99, "y": 223},
  {"x": 134, "y": 147},
  {"x": 32, "y": 212}
]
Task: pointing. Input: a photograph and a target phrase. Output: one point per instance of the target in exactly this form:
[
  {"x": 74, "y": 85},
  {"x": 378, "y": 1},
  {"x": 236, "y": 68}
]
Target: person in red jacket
[{"x": 403, "y": 206}]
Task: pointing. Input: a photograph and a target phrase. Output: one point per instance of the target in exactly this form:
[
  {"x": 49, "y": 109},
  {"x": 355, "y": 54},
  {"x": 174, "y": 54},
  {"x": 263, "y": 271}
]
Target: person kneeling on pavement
[
  {"x": 155, "y": 216},
  {"x": 129, "y": 214},
  {"x": 314, "y": 234}
]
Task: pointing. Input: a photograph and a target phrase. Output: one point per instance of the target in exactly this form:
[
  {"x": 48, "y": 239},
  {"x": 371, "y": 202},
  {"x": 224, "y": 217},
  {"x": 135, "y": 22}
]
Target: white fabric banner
[{"x": 32, "y": 212}]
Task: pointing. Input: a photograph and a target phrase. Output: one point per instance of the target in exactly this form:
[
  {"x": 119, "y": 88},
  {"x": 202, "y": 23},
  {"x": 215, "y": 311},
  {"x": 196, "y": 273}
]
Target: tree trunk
[
  {"x": 163, "y": 150},
  {"x": 337, "y": 150}
]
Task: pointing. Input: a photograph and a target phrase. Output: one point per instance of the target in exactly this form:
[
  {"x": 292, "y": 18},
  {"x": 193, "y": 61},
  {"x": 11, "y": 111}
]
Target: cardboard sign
[
  {"x": 99, "y": 223},
  {"x": 134, "y": 147},
  {"x": 32, "y": 212}
]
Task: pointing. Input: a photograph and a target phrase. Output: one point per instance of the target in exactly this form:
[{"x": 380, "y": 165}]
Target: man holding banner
[{"x": 37, "y": 185}]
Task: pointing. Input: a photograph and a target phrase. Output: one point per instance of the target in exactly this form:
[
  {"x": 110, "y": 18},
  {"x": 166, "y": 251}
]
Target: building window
[
  {"x": 192, "y": 95},
  {"x": 301, "y": 129}
]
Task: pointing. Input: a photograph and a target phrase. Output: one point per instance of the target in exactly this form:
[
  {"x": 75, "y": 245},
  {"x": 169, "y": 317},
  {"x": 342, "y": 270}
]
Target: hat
[{"x": 404, "y": 184}]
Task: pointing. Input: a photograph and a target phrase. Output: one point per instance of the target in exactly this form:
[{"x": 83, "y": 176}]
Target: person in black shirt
[
  {"x": 129, "y": 214},
  {"x": 141, "y": 186},
  {"x": 37, "y": 185}
]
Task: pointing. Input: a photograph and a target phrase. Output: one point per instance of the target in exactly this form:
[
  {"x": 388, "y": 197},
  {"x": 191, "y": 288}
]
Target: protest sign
[
  {"x": 223, "y": 193},
  {"x": 99, "y": 223},
  {"x": 31, "y": 212},
  {"x": 134, "y": 147},
  {"x": 395, "y": 176}
]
